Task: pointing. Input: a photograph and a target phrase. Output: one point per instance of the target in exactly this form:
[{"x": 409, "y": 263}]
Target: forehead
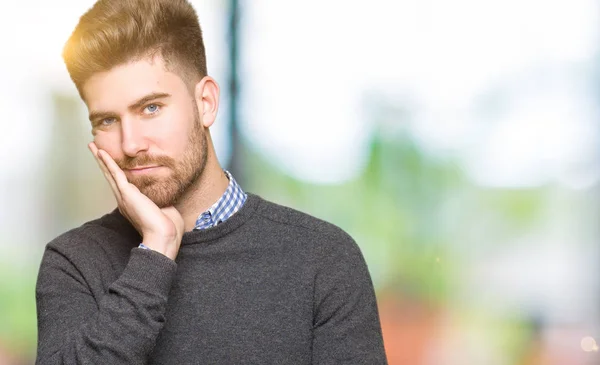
[{"x": 126, "y": 83}]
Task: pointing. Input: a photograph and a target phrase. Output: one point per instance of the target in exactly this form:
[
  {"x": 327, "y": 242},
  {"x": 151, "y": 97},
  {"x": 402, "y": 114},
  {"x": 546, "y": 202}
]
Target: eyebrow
[{"x": 96, "y": 115}]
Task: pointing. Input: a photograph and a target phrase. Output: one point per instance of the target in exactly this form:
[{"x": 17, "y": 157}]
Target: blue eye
[
  {"x": 151, "y": 108},
  {"x": 107, "y": 121}
]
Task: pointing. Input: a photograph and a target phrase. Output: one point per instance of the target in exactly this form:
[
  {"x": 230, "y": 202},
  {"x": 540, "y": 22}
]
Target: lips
[
  {"x": 139, "y": 168},
  {"x": 143, "y": 170}
]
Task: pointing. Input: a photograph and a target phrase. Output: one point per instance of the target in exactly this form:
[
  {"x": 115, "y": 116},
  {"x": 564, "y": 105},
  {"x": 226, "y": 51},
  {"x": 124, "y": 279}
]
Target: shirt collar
[{"x": 230, "y": 202}]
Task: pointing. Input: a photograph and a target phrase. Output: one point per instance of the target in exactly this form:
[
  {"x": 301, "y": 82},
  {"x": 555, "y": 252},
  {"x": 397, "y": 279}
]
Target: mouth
[{"x": 142, "y": 169}]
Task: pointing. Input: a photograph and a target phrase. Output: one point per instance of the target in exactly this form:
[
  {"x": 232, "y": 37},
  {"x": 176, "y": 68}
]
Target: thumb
[{"x": 174, "y": 215}]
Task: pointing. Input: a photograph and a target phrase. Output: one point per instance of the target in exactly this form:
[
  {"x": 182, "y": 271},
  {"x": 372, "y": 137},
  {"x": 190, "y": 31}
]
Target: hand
[{"x": 161, "y": 229}]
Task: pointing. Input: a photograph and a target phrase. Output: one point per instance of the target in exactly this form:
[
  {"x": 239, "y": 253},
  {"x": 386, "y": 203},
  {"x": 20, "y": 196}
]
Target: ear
[{"x": 206, "y": 95}]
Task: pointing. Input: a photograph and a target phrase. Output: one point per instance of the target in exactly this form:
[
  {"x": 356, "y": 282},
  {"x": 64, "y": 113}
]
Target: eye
[
  {"x": 151, "y": 109},
  {"x": 107, "y": 121}
]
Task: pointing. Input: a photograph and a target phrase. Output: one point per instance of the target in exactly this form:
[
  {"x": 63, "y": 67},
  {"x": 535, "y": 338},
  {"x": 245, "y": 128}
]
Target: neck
[{"x": 204, "y": 193}]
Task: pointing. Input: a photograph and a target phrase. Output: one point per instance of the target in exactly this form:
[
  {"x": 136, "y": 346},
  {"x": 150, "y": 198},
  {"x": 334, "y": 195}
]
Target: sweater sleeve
[
  {"x": 346, "y": 327},
  {"x": 74, "y": 327}
]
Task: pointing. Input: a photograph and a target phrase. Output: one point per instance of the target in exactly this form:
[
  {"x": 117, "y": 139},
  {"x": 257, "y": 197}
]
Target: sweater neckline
[
  {"x": 239, "y": 218},
  {"x": 203, "y": 235}
]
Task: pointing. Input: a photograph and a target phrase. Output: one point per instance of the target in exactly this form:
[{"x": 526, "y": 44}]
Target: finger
[
  {"x": 105, "y": 172},
  {"x": 116, "y": 172}
]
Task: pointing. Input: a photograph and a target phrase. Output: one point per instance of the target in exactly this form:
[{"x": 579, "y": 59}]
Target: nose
[{"x": 133, "y": 139}]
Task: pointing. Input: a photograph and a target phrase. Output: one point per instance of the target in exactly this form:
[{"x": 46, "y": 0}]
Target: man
[{"x": 189, "y": 269}]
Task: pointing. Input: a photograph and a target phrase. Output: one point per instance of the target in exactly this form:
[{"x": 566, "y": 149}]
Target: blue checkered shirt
[{"x": 230, "y": 202}]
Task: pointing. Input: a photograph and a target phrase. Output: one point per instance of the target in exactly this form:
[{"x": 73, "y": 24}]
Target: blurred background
[{"x": 457, "y": 141}]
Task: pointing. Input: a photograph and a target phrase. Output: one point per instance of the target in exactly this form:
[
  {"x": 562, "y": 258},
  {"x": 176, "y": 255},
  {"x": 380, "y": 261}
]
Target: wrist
[{"x": 162, "y": 245}]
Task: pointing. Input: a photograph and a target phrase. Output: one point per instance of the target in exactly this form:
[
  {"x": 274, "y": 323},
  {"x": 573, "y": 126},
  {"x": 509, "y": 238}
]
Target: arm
[
  {"x": 346, "y": 328},
  {"x": 119, "y": 328}
]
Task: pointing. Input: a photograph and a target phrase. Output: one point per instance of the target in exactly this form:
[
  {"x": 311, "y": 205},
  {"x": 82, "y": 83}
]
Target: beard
[{"x": 167, "y": 191}]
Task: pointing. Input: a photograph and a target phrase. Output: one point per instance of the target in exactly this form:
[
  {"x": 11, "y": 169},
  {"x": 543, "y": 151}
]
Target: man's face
[{"x": 147, "y": 120}]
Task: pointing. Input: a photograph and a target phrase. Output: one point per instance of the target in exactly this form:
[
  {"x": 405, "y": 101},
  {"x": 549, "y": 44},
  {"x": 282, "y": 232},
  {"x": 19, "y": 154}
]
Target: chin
[
  {"x": 162, "y": 196},
  {"x": 167, "y": 191}
]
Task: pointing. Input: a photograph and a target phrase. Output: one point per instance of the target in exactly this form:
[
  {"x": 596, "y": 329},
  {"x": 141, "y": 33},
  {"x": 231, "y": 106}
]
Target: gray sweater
[{"x": 270, "y": 285}]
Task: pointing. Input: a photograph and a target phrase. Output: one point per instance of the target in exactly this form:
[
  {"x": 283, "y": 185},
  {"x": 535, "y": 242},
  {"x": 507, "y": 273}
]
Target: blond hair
[{"x": 114, "y": 32}]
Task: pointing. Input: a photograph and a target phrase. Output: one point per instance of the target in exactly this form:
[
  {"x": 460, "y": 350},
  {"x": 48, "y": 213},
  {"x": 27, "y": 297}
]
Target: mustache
[{"x": 127, "y": 163}]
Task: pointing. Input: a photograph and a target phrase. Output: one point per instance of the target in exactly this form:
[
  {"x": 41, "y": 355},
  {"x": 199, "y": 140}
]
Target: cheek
[
  {"x": 108, "y": 142},
  {"x": 172, "y": 143},
  {"x": 172, "y": 134}
]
